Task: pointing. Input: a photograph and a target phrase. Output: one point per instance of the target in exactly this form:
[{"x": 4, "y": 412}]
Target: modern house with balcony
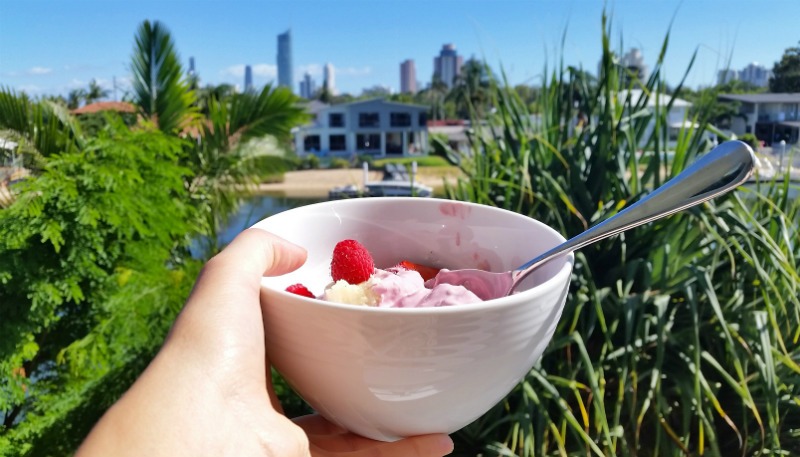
[
  {"x": 770, "y": 117},
  {"x": 373, "y": 127}
]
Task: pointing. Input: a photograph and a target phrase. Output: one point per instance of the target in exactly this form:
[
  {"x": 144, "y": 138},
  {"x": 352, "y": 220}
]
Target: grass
[{"x": 678, "y": 337}]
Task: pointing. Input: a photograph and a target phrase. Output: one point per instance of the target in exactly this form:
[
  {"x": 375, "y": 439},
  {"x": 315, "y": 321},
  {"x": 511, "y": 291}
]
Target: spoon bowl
[{"x": 715, "y": 173}]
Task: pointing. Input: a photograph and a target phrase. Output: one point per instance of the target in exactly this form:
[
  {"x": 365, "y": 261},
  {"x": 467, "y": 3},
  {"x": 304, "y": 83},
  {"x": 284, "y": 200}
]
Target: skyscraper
[
  {"x": 755, "y": 74},
  {"x": 408, "y": 77},
  {"x": 447, "y": 66},
  {"x": 248, "y": 78},
  {"x": 285, "y": 70},
  {"x": 329, "y": 78},
  {"x": 307, "y": 87}
]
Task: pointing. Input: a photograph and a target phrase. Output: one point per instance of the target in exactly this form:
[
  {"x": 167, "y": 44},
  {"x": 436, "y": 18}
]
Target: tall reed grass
[{"x": 679, "y": 337}]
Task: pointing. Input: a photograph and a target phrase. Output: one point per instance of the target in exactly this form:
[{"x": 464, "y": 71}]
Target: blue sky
[{"x": 50, "y": 47}]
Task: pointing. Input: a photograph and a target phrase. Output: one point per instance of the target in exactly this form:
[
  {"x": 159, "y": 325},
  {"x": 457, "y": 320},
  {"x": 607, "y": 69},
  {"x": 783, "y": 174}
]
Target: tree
[
  {"x": 95, "y": 92},
  {"x": 160, "y": 91},
  {"x": 162, "y": 95},
  {"x": 324, "y": 94},
  {"x": 94, "y": 256},
  {"x": 75, "y": 98},
  {"x": 94, "y": 265},
  {"x": 786, "y": 73},
  {"x": 471, "y": 90}
]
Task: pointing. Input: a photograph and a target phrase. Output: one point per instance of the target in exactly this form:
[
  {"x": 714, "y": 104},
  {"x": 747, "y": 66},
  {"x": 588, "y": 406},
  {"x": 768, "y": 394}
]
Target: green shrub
[
  {"x": 751, "y": 139},
  {"x": 309, "y": 162},
  {"x": 422, "y": 161},
  {"x": 677, "y": 338},
  {"x": 339, "y": 163}
]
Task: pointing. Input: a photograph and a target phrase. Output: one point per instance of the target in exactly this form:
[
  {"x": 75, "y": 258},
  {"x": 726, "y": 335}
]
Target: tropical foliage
[
  {"x": 786, "y": 72},
  {"x": 678, "y": 338},
  {"x": 96, "y": 248}
]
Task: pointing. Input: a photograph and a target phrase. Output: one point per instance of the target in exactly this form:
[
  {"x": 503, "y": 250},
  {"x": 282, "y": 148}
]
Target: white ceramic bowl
[{"x": 390, "y": 373}]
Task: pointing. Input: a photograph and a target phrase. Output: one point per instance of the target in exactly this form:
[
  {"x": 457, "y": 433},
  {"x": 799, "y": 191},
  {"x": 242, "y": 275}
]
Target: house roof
[
  {"x": 663, "y": 99},
  {"x": 792, "y": 97},
  {"x": 121, "y": 107},
  {"x": 381, "y": 101}
]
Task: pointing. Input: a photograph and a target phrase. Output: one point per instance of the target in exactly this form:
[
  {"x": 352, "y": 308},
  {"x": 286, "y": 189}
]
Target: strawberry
[
  {"x": 425, "y": 271},
  {"x": 300, "y": 289},
  {"x": 352, "y": 262}
]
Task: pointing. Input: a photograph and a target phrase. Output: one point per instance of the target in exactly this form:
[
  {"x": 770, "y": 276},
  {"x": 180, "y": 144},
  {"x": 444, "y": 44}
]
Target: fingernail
[{"x": 446, "y": 444}]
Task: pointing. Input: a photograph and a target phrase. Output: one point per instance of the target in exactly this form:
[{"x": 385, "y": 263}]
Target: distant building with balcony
[
  {"x": 447, "y": 66},
  {"x": 770, "y": 117},
  {"x": 373, "y": 127}
]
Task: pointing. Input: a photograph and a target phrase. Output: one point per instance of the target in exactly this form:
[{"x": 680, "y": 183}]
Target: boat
[{"x": 396, "y": 182}]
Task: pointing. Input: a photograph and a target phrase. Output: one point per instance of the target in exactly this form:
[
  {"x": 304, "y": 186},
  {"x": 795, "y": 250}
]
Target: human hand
[{"x": 209, "y": 390}]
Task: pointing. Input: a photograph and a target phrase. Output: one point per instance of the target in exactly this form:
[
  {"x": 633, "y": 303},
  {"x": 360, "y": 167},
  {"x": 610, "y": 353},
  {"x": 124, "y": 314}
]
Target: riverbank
[{"x": 317, "y": 183}]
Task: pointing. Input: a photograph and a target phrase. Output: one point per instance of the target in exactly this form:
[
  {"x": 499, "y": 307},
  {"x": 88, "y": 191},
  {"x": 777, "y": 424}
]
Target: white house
[
  {"x": 771, "y": 117},
  {"x": 677, "y": 116},
  {"x": 375, "y": 127}
]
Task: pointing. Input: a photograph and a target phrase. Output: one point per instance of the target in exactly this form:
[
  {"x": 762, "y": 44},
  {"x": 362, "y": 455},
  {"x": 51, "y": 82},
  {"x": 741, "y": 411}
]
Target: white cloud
[
  {"x": 265, "y": 70},
  {"x": 234, "y": 70},
  {"x": 312, "y": 69},
  {"x": 39, "y": 71},
  {"x": 262, "y": 70},
  {"x": 352, "y": 71}
]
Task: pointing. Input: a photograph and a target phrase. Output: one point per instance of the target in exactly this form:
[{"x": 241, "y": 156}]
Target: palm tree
[
  {"x": 471, "y": 90},
  {"x": 95, "y": 92},
  {"x": 434, "y": 96},
  {"x": 160, "y": 90},
  {"x": 223, "y": 123},
  {"x": 75, "y": 98}
]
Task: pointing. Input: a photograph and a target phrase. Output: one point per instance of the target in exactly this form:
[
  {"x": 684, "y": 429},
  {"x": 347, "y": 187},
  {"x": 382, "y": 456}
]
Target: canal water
[{"x": 251, "y": 211}]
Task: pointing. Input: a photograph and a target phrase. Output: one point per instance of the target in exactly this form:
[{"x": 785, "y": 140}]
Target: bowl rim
[{"x": 507, "y": 301}]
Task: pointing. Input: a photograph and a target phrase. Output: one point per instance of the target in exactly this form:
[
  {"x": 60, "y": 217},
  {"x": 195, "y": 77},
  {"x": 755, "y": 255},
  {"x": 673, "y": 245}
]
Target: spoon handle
[{"x": 715, "y": 173}]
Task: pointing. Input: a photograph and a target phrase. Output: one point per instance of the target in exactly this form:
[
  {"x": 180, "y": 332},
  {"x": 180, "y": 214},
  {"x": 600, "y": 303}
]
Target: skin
[{"x": 209, "y": 390}]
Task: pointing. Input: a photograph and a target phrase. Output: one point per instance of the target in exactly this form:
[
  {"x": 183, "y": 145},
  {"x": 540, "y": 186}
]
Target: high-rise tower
[
  {"x": 408, "y": 77},
  {"x": 307, "y": 86},
  {"x": 447, "y": 66},
  {"x": 285, "y": 70},
  {"x": 329, "y": 78},
  {"x": 248, "y": 78}
]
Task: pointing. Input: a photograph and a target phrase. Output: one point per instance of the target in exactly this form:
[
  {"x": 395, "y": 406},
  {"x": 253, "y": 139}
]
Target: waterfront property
[
  {"x": 770, "y": 117},
  {"x": 373, "y": 127}
]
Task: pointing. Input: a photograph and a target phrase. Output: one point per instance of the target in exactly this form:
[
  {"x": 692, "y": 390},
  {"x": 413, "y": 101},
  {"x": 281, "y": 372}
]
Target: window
[
  {"x": 400, "y": 119},
  {"x": 423, "y": 119},
  {"x": 311, "y": 143},
  {"x": 337, "y": 143},
  {"x": 368, "y": 142},
  {"x": 336, "y": 119},
  {"x": 394, "y": 142},
  {"x": 369, "y": 120}
]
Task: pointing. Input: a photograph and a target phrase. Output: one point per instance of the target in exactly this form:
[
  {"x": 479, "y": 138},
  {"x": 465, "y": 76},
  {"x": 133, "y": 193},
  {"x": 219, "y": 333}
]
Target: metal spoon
[{"x": 721, "y": 170}]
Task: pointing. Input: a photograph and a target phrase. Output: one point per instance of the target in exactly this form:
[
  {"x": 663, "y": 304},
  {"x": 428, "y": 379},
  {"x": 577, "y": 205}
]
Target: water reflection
[{"x": 251, "y": 211}]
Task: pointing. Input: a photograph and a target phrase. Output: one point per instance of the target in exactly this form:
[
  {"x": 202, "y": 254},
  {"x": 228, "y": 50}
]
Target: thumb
[{"x": 256, "y": 252}]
